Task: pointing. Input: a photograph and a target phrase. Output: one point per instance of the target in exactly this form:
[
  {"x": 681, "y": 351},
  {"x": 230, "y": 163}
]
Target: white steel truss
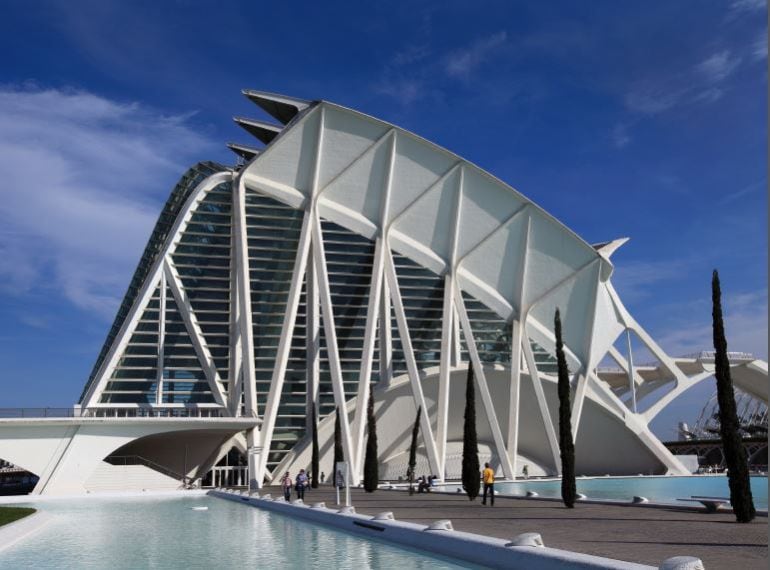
[{"x": 478, "y": 238}]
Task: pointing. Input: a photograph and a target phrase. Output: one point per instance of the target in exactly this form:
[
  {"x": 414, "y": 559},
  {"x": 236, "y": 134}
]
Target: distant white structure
[{"x": 349, "y": 255}]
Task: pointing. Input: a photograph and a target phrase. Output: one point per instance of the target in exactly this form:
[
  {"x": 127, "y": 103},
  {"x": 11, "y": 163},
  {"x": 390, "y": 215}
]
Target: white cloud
[
  {"x": 83, "y": 180},
  {"x": 620, "y": 136},
  {"x": 634, "y": 279},
  {"x": 759, "y": 47},
  {"x": 462, "y": 62},
  {"x": 718, "y": 67},
  {"x": 406, "y": 91},
  {"x": 650, "y": 98},
  {"x": 745, "y": 317},
  {"x": 737, "y": 6}
]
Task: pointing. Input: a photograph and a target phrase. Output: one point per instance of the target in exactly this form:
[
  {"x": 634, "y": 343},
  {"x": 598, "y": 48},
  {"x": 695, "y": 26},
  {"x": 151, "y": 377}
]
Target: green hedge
[{"x": 10, "y": 514}]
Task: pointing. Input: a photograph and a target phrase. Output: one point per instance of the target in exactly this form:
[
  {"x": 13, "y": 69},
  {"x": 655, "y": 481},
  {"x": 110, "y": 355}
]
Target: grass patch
[{"x": 10, "y": 514}]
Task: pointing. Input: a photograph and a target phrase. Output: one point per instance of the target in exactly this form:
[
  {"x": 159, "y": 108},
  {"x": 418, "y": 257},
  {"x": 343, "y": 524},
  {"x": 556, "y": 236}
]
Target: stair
[{"x": 108, "y": 477}]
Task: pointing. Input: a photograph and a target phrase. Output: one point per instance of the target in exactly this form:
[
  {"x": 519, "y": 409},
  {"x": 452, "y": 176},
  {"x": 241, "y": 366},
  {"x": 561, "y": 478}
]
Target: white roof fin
[
  {"x": 246, "y": 152},
  {"x": 265, "y": 132},
  {"x": 607, "y": 248},
  {"x": 281, "y": 107}
]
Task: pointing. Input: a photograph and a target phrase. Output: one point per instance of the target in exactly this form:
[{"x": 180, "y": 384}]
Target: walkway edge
[
  {"x": 459, "y": 545},
  {"x": 18, "y": 530}
]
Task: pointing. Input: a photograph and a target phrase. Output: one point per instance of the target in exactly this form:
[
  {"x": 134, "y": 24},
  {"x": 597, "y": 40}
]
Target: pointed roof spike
[
  {"x": 281, "y": 107},
  {"x": 265, "y": 132},
  {"x": 607, "y": 248},
  {"x": 246, "y": 152}
]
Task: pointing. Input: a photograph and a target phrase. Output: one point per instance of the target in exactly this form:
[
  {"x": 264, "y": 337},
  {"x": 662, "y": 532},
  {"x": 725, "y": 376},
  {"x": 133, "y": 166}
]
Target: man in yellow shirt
[{"x": 488, "y": 477}]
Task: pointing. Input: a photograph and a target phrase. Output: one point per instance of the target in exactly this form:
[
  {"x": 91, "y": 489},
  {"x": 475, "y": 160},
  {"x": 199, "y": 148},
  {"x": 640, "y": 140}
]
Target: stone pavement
[{"x": 635, "y": 534}]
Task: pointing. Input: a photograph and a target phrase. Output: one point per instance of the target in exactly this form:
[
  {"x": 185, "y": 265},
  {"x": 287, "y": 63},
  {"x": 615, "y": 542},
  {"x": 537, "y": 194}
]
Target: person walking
[
  {"x": 286, "y": 484},
  {"x": 488, "y": 477},
  {"x": 302, "y": 483}
]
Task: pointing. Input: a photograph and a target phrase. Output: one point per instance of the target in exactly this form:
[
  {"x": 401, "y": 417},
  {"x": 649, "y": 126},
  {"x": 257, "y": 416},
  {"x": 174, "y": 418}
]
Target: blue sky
[{"x": 645, "y": 120}]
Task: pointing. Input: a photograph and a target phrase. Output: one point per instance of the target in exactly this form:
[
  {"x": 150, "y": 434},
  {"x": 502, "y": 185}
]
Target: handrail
[
  {"x": 115, "y": 412},
  {"x": 139, "y": 460}
]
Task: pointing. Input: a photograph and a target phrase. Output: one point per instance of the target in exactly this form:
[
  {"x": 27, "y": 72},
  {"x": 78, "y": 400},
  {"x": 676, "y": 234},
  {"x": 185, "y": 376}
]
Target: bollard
[
  {"x": 320, "y": 505},
  {"x": 527, "y": 539},
  {"x": 350, "y": 510},
  {"x": 682, "y": 563},
  {"x": 384, "y": 516},
  {"x": 444, "y": 524}
]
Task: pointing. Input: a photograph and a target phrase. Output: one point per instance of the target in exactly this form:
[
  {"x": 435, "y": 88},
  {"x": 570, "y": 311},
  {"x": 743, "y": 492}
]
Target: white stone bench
[{"x": 712, "y": 504}]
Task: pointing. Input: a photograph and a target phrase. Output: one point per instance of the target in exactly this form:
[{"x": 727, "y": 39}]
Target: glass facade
[{"x": 160, "y": 365}]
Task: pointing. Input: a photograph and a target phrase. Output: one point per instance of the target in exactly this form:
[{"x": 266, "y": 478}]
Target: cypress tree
[
  {"x": 371, "y": 468},
  {"x": 338, "y": 453},
  {"x": 314, "y": 461},
  {"x": 413, "y": 451},
  {"x": 732, "y": 444},
  {"x": 471, "y": 477},
  {"x": 566, "y": 445}
]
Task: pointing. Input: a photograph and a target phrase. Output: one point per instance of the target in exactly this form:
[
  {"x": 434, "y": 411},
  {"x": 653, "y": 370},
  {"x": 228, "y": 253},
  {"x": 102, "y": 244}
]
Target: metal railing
[
  {"x": 187, "y": 482},
  {"x": 113, "y": 412}
]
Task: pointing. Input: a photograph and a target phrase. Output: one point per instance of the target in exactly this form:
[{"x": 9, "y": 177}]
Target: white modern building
[{"x": 347, "y": 256}]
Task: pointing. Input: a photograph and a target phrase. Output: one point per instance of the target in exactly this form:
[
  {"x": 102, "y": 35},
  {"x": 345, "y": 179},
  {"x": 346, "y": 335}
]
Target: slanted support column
[
  {"x": 411, "y": 365},
  {"x": 515, "y": 396},
  {"x": 517, "y": 326},
  {"x": 631, "y": 383},
  {"x": 545, "y": 414},
  {"x": 583, "y": 376},
  {"x": 386, "y": 339},
  {"x": 243, "y": 283},
  {"x": 235, "y": 381},
  {"x": 284, "y": 343},
  {"x": 161, "y": 339},
  {"x": 332, "y": 350},
  {"x": 445, "y": 366},
  {"x": 193, "y": 329},
  {"x": 313, "y": 345},
  {"x": 367, "y": 353},
  {"x": 481, "y": 383}
]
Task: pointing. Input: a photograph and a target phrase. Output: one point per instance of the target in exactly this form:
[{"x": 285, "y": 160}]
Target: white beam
[
  {"x": 545, "y": 414},
  {"x": 161, "y": 339},
  {"x": 367, "y": 353},
  {"x": 243, "y": 277},
  {"x": 447, "y": 328},
  {"x": 514, "y": 409},
  {"x": 235, "y": 384},
  {"x": 332, "y": 350},
  {"x": 411, "y": 365},
  {"x": 481, "y": 382},
  {"x": 631, "y": 383},
  {"x": 284, "y": 344},
  {"x": 91, "y": 397},
  {"x": 516, "y": 334},
  {"x": 193, "y": 329},
  {"x": 445, "y": 366},
  {"x": 583, "y": 376},
  {"x": 313, "y": 346}
]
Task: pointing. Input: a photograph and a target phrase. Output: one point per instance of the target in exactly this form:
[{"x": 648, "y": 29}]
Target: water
[
  {"x": 656, "y": 489},
  {"x": 165, "y": 533}
]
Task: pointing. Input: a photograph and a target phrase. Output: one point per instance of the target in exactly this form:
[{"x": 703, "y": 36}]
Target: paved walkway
[{"x": 633, "y": 534}]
